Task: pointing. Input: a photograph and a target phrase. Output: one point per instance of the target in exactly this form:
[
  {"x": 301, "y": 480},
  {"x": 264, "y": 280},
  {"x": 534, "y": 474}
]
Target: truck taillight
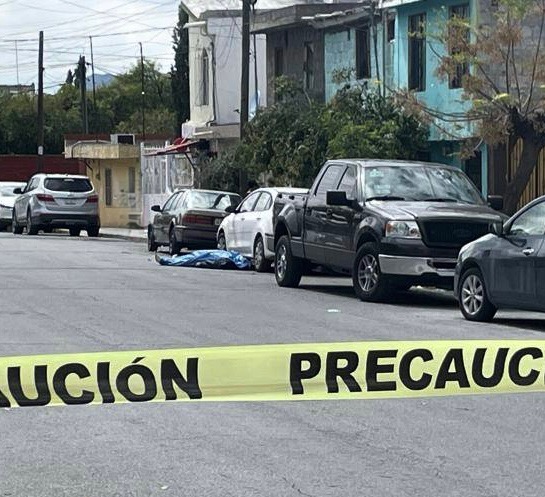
[
  {"x": 42, "y": 197},
  {"x": 92, "y": 199}
]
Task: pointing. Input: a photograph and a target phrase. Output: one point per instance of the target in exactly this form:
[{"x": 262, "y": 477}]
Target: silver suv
[{"x": 50, "y": 201}]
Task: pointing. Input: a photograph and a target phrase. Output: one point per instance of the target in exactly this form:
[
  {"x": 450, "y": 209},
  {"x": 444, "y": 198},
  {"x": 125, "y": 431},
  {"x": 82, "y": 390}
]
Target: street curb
[{"x": 123, "y": 237}]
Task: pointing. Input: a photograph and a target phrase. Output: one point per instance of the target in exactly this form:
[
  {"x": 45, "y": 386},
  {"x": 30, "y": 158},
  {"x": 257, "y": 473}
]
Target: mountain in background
[{"x": 102, "y": 79}]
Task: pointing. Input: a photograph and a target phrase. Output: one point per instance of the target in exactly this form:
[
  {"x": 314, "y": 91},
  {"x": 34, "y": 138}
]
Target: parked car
[
  {"x": 190, "y": 218},
  {"x": 50, "y": 201},
  {"x": 246, "y": 229},
  {"x": 388, "y": 224},
  {"x": 7, "y": 199},
  {"x": 504, "y": 269}
]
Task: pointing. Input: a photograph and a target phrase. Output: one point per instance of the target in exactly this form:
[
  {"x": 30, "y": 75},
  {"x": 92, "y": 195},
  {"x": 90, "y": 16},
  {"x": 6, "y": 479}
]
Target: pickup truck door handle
[{"x": 528, "y": 251}]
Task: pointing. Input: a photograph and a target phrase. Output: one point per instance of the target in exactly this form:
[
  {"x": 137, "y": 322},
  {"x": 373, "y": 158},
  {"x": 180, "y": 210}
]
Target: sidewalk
[{"x": 140, "y": 235}]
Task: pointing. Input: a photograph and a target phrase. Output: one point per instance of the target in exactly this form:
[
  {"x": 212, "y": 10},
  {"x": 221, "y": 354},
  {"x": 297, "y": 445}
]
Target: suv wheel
[
  {"x": 370, "y": 284},
  {"x": 288, "y": 270},
  {"x": 16, "y": 228},
  {"x": 93, "y": 231},
  {"x": 75, "y": 231},
  {"x": 31, "y": 228},
  {"x": 261, "y": 264},
  {"x": 472, "y": 297},
  {"x": 174, "y": 246}
]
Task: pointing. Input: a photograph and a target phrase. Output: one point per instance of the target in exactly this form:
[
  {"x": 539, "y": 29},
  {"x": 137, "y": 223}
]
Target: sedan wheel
[
  {"x": 261, "y": 264},
  {"x": 152, "y": 244},
  {"x": 174, "y": 246},
  {"x": 222, "y": 244},
  {"x": 473, "y": 299}
]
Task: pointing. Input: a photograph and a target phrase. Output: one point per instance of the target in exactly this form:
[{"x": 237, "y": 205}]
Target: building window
[
  {"x": 205, "y": 81},
  {"x": 278, "y": 62},
  {"x": 363, "y": 53},
  {"x": 417, "y": 52},
  {"x": 459, "y": 37},
  {"x": 132, "y": 180},
  {"x": 108, "y": 187},
  {"x": 391, "y": 29},
  {"x": 309, "y": 66},
  {"x": 278, "y": 66}
]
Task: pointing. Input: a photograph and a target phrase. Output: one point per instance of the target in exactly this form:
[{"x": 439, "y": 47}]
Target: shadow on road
[
  {"x": 531, "y": 324},
  {"x": 412, "y": 298}
]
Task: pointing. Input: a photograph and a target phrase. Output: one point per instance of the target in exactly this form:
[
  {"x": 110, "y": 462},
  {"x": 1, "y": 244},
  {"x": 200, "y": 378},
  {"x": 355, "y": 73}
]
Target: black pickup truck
[{"x": 388, "y": 224}]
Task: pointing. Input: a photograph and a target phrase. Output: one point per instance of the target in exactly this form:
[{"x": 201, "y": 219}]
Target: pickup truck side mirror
[
  {"x": 337, "y": 197},
  {"x": 18, "y": 191},
  {"x": 156, "y": 208},
  {"x": 229, "y": 209},
  {"x": 496, "y": 202},
  {"x": 497, "y": 228}
]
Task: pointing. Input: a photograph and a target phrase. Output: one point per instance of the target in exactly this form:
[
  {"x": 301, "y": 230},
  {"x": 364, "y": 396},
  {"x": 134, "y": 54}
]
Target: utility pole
[
  {"x": 17, "y": 63},
  {"x": 41, "y": 103},
  {"x": 83, "y": 93},
  {"x": 245, "y": 77},
  {"x": 143, "y": 94},
  {"x": 256, "y": 88},
  {"x": 94, "y": 87}
]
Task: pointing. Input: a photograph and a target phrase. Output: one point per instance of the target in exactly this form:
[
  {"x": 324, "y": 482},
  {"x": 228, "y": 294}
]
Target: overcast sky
[{"x": 115, "y": 25}]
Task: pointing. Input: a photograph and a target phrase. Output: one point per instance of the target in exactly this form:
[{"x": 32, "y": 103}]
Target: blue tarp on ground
[{"x": 212, "y": 259}]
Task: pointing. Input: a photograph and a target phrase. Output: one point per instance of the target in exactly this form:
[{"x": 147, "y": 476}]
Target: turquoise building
[{"x": 397, "y": 46}]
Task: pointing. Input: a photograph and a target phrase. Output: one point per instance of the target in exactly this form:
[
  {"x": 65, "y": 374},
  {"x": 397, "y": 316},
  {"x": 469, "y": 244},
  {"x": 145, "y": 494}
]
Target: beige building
[{"x": 113, "y": 165}]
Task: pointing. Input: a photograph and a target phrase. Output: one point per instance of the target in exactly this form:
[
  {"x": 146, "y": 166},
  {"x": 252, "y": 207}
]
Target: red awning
[{"x": 180, "y": 146}]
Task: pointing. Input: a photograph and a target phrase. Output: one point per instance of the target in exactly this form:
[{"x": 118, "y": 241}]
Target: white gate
[{"x": 162, "y": 175}]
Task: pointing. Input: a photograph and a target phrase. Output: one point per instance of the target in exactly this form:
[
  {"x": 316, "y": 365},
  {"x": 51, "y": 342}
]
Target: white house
[{"x": 215, "y": 62}]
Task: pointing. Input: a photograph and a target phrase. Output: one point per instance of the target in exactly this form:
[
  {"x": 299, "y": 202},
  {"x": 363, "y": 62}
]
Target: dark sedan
[
  {"x": 190, "y": 218},
  {"x": 505, "y": 269}
]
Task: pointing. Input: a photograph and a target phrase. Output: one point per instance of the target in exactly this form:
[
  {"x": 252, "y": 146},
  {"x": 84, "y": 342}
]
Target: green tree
[
  {"x": 123, "y": 99},
  {"x": 366, "y": 124},
  {"x": 179, "y": 73},
  {"x": 292, "y": 138},
  {"x": 19, "y": 124}
]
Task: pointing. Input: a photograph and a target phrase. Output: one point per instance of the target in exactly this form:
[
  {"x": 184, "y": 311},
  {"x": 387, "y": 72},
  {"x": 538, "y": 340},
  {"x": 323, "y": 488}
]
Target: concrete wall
[
  {"x": 340, "y": 55},
  {"x": 223, "y": 42},
  {"x": 292, "y": 41},
  {"x": 22, "y": 167}
]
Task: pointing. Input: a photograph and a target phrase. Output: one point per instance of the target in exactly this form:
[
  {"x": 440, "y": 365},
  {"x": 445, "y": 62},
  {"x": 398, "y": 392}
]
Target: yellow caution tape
[{"x": 316, "y": 371}]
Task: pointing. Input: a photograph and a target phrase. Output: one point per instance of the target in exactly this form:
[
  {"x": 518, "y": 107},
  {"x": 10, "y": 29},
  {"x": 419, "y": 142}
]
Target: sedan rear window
[
  {"x": 68, "y": 184},
  {"x": 212, "y": 200}
]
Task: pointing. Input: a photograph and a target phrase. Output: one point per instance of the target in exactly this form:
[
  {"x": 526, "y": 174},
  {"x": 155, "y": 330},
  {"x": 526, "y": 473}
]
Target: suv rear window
[{"x": 68, "y": 184}]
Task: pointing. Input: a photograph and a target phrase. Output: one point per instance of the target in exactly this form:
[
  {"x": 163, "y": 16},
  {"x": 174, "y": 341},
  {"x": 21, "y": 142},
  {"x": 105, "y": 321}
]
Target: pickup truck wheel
[
  {"x": 287, "y": 269},
  {"x": 473, "y": 298},
  {"x": 370, "y": 284}
]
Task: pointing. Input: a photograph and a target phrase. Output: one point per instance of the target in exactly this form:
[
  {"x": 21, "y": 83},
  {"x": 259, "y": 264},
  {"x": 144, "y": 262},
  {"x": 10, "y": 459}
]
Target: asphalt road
[{"x": 74, "y": 295}]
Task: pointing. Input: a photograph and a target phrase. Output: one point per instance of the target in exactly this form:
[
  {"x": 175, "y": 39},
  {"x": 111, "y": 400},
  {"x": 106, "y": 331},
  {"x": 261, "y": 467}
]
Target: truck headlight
[{"x": 403, "y": 229}]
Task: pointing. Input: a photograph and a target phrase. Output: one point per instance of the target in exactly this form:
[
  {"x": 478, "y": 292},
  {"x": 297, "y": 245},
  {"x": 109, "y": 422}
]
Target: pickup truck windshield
[{"x": 431, "y": 184}]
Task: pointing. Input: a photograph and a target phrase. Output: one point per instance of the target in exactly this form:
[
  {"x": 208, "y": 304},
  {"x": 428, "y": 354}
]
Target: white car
[
  {"x": 7, "y": 199},
  {"x": 245, "y": 230}
]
